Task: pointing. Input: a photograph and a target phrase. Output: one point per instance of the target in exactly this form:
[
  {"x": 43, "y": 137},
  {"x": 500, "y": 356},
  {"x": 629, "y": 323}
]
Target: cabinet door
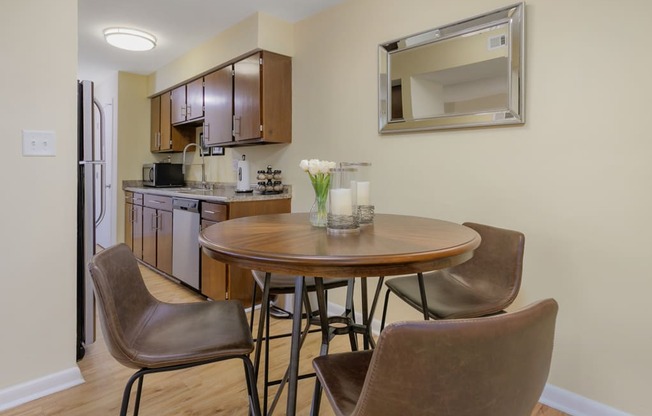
[
  {"x": 178, "y": 104},
  {"x": 165, "y": 137},
  {"x": 155, "y": 127},
  {"x": 137, "y": 231},
  {"x": 129, "y": 213},
  {"x": 213, "y": 273},
  {"x": 195, "y": 99},
  {"x": 164, "y": 242},
  {"x": 149, "y": 236},
  {"x": 218, "y": 107},
  {"x": 246, "y": 98}
]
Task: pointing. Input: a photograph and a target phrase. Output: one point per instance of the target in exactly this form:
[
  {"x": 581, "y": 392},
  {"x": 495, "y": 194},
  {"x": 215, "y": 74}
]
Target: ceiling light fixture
[{"x": 129, "y": 39}]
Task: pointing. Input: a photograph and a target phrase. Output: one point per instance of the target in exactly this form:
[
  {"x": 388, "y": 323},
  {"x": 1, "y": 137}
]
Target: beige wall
[
  {"x": 133, "y": 125},
  {"x": 575, "y": 179},
  {"x": 38, "y": 213}
]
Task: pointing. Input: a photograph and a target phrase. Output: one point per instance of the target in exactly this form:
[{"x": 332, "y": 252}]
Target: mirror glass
[{"x": 465, "y": 74}]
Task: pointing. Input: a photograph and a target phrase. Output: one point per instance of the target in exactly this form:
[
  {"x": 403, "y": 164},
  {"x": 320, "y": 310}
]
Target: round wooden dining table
[{"x": 289, "y": 244}]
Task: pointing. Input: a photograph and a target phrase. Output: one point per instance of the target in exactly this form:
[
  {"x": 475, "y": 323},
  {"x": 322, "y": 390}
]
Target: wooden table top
[{"x": 287, "y": 243}]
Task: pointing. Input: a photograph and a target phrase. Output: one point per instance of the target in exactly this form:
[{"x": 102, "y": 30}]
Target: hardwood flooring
[{"x": 217, "y": 388}]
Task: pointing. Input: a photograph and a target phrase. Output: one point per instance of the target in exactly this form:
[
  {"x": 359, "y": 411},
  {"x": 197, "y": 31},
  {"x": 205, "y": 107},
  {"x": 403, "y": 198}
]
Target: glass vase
[{"x": 319, "y": 211}]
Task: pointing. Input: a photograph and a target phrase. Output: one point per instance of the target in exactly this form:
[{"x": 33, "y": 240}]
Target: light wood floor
[{"x": 217, "y": 388}]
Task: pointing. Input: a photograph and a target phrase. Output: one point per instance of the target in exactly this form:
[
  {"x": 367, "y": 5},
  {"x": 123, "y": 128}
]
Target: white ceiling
[{"x": 179, "y": 25}]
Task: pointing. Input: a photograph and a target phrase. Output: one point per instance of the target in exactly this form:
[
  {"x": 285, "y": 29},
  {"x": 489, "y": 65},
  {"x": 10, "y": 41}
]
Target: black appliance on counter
[{"x": 163, "y": 175}]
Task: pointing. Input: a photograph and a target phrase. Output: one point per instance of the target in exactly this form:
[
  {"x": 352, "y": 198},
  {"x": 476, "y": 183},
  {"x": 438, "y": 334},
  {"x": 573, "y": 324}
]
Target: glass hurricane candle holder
[
  {"x": 342, "y": 213},
  {"x": 359, "y": 173}
]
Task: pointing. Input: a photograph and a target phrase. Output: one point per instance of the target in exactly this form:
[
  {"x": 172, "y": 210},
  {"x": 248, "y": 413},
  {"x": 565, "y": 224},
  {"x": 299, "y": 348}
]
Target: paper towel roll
[{"x": 243, "y": 183}]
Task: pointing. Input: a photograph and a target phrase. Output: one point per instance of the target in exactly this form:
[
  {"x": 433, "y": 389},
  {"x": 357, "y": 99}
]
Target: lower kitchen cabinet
[
  {"x": 134, "y": 223},
  {"x": 157, "y": 232},
  {"x": 223, "y": 281}
]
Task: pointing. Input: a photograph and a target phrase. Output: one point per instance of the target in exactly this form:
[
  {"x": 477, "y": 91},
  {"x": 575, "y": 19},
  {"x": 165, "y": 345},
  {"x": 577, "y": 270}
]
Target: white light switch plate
[{"x": 39, "y": 143}]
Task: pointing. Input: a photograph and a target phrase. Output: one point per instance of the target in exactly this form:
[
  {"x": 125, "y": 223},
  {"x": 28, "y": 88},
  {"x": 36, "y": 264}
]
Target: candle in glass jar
[
  {"x": 363, "y": 193},
  {"x": 341, "y": 203}
]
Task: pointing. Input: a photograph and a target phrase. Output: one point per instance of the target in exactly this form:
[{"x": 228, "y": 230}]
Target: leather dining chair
[
  {"x": 484, "y": 285},
  {"x": 151, "y": 336},
  {"x": 281, "y": 284},
  {"x": 488, "y": 366}
]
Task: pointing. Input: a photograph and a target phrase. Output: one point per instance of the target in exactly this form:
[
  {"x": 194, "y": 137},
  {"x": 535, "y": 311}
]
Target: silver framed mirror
[{"x": 465, "y": 74}]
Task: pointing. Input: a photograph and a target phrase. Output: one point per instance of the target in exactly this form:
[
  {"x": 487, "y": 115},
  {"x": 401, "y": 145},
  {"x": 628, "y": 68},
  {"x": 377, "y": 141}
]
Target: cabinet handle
[
  {"x": 188, "y": 110},
  {"x": 206, "y": 133},
  {"x": 184, "y": 110},
  {"x": 154, "y": 222},
  {"x": 209, "y": 212}
]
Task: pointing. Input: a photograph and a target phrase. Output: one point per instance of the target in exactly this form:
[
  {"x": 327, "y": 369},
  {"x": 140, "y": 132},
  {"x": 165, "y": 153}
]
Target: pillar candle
[
  {"x": 341, "y": 203},
  {"x": 363, "y": 193}
]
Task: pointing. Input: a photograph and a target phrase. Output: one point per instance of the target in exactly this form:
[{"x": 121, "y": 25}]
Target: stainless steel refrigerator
[{"x": 91, "y": 166}]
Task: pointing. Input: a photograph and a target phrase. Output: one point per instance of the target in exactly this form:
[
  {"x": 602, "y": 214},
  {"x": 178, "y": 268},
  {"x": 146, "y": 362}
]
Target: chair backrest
[
  {"x": 496, "y": 266},
  {"x": 490, "y": 366},
  {"x": 124, "y": 303}
]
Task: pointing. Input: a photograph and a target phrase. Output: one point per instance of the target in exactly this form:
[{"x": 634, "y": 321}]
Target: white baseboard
[
  {"x": 31, "y": 390},
  {"x": 574, "y": 404},
  {"x": 553, "y": 396}
]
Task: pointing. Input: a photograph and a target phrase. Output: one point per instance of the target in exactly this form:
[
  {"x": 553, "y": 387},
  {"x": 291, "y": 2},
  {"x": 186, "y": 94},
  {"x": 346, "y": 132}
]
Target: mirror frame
[{"x": 514, "y": 113}]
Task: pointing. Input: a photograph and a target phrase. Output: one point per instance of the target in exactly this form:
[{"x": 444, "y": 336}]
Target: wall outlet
[{"x": 39, "y": 143}]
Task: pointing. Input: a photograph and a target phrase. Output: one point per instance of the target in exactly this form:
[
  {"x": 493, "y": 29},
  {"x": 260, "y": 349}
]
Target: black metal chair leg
[
  {"x": 424, "y": 300},
  {"x": 138, "y": 375},
  {"x": 382, "y": 321},
  {"x": 253, "y": 307},
  {"x": 264, "y": 304},
  {"x": 139, "y": 391},
  {"x": 254, "y": 404}
]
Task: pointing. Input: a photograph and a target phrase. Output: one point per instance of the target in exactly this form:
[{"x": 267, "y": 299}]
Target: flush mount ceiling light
[{"x": 129, "y": 39}]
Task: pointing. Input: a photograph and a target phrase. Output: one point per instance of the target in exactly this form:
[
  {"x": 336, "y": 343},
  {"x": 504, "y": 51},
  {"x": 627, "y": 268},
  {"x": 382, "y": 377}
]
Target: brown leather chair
[
  {"x": 152, "y": 336},
  {"x": 281, "y": 284},
  {"x": 489, "y": 366},
  {"x": 484, "y": 285}
]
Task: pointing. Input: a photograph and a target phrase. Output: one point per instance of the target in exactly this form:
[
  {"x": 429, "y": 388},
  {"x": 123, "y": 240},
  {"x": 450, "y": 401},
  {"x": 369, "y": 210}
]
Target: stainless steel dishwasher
[{"x": 185, "y": 241}]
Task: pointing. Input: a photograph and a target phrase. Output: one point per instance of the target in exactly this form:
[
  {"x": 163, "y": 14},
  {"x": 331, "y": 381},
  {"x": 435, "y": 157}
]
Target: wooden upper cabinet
[
  {"x": 188, "y": 102},
  {"x": 178, "y": 104},
  {"x": 262, "y": 99},
  {"x": 218, "y": 107},
  {"x": 155, "y": 129},
  {"x": 245, "y": 103},
  {"x": 164, "y": 137},
  {"x": 247, "y": 120},
  {"x": 195, "y": 99}
]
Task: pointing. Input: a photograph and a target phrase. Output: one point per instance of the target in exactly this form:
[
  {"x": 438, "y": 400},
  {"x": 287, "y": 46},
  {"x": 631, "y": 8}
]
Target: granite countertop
[{"x": 220, "y": 192}]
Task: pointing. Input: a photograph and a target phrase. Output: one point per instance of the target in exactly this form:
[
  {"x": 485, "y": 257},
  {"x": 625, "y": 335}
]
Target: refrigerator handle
[{"x": 102, "y": 165}]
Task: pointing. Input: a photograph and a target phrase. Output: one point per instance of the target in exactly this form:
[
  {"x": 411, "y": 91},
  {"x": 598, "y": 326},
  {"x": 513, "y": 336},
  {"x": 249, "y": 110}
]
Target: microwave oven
[{"x": 161, "y": 175}]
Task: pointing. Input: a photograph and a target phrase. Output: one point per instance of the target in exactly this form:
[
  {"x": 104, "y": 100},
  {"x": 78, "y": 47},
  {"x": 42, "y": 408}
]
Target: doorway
[{"x": 105, "y": 230}]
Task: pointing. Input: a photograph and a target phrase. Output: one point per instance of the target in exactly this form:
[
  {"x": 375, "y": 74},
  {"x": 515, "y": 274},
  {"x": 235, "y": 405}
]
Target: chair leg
[
  {"x": 382, "y": 321},
  {"x": 424, "y": 300},
  {"x": 139, "y": 390},
  {"x": 254, "y": 403},
  {"x": 253, "y": 304},
  {"x": 138, "y": 375}
]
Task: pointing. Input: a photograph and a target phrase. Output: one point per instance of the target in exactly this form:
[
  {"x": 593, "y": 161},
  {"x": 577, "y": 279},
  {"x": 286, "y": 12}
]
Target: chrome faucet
[{"x": 203, "y": 167}]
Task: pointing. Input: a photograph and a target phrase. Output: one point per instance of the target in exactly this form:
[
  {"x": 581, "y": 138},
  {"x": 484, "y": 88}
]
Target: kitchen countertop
[{"x": 220, "y": 192}]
